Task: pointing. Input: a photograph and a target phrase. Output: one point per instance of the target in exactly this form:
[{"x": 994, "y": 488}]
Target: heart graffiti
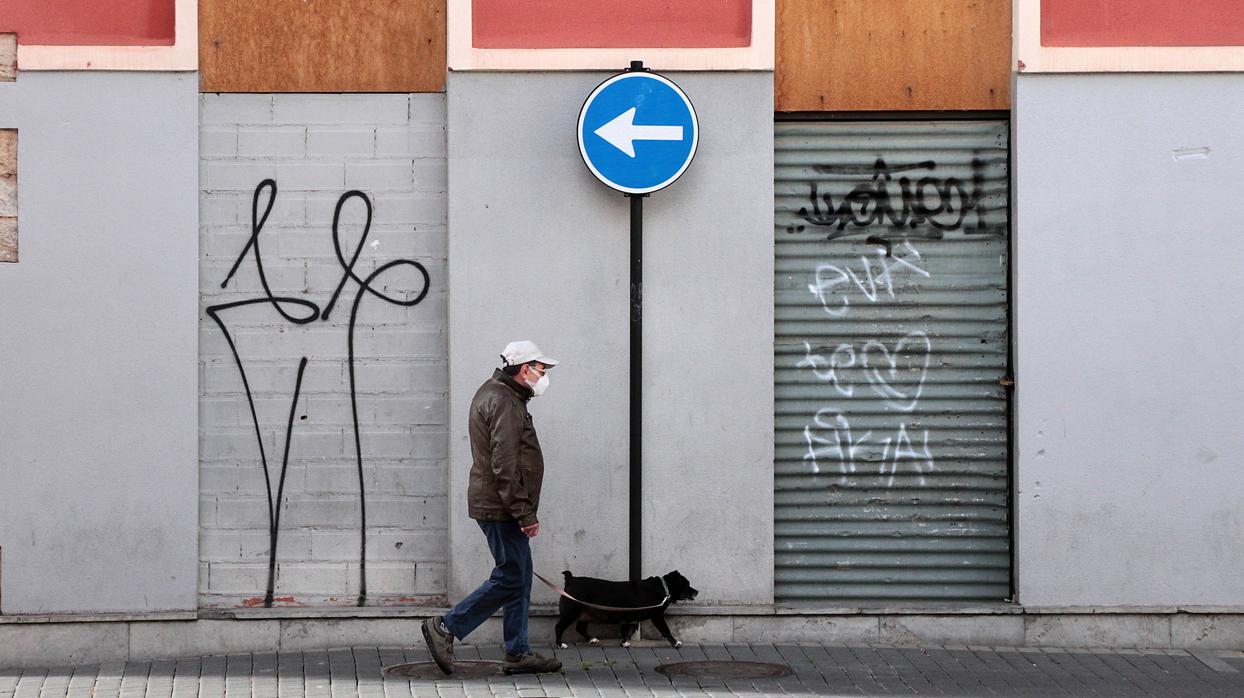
[{"x": 882, "y": 368}]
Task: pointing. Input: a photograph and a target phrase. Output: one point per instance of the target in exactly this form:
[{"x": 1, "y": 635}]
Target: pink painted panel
[
  {"x": 1142, "y": 23},
  {"x": 89, "y": 22},
  {"x": 509, "y": 24}
]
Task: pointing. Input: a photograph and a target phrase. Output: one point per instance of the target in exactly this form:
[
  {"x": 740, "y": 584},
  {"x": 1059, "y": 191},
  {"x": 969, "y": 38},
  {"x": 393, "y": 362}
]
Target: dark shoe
[
  {"x": 440, "y": 644},
  {"x": 530, "y": 663}
]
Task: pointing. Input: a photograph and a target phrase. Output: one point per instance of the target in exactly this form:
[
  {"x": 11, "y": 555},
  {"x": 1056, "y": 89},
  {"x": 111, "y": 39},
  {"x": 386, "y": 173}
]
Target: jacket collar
[{"x": 523, "y": 391}]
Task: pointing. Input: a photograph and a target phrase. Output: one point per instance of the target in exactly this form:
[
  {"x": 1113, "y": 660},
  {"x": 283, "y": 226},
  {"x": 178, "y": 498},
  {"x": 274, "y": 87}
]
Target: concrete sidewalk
[{"x": 819, "y": 670}]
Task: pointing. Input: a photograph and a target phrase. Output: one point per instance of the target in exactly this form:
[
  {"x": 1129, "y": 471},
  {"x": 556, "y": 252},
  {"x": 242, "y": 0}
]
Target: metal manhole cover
[
  {"x": 463, "y": 669},
  {"x": 725, "y": 670}
]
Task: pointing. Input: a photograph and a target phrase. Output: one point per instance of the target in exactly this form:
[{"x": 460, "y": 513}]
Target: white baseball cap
[{"x": 521, "y": 352}]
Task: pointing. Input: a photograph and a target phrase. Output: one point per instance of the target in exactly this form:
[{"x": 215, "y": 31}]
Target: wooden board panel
[
  {"x": 8, "y": 57},
  {"x": 8, "y": 195},
  {"x": 322, "y": 45},
  {"x": 864, "y": 55}
]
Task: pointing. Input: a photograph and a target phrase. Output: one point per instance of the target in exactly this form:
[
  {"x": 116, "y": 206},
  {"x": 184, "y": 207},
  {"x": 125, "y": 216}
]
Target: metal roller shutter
[{"x": 891, "y": 359}]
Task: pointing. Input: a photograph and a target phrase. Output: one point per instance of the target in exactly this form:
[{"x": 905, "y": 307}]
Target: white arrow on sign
[{"x": 622, "y": 132}]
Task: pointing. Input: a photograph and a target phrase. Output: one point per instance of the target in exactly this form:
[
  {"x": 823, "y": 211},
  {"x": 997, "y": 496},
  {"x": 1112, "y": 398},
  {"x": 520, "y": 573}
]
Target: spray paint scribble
[{"x": 301, "y": 312}]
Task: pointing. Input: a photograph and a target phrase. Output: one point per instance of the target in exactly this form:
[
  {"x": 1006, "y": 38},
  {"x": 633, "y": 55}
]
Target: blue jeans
[{"x": 508, "y": 586}]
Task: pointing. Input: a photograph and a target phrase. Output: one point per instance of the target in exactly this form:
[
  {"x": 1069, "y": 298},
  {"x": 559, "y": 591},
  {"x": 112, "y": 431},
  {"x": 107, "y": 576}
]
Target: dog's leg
[
  {"x": 659, "y": 622},
  {"x": 581, "y": 626},
  {"x": 562, "y": 623},
  {"x": 627, "y": 632}
]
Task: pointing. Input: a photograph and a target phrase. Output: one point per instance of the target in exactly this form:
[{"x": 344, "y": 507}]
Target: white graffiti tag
[
  {"x": 896, "y": 373},
  {"x": 829, "y": 277},
  {"x": 833, "y": 447},
  {"x": 843, "y": 357},
  {"x": 840, "y": 445},
  {"x": 914, "y": 350},
  {"x": 922, "y": 460}
]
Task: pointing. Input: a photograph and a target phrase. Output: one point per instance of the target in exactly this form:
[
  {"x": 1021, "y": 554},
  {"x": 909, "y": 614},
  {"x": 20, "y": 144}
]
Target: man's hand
[{"x": 533, "y": 530}]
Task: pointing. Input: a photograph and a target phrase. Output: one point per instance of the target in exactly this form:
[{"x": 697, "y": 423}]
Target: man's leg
[
  {"x": 514, "y": 618},
  {"x": 502, "y": 586},
  {"x": 519, "y": 659}
]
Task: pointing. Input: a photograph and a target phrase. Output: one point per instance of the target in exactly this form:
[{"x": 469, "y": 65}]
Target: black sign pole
[
  {"x": 637, "y": 390},
  {"x": 637, "y": 372}
]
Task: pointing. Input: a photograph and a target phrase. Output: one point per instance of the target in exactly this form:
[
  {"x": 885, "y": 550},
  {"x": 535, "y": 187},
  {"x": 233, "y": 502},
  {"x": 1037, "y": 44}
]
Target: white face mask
[{"x": 538, "y": 388}]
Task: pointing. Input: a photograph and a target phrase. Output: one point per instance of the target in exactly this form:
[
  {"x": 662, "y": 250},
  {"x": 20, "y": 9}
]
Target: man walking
[{"x": 507, "y": 468}]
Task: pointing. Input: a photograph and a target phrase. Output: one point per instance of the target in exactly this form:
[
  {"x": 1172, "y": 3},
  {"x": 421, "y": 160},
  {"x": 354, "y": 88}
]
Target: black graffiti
[
  {"x": 907, "y": 207},
  {"x": 313, "y": 313}
]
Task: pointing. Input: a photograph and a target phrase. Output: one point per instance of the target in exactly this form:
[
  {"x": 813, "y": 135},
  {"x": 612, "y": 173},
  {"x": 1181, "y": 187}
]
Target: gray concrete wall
[
  {"x": 316, "y": 148},
  {"x": 1128, "y": 249},
  {"x": 538, "y": 249},
  {"x": 109, "y": 640},
  {"x": 98, "y": 331}
]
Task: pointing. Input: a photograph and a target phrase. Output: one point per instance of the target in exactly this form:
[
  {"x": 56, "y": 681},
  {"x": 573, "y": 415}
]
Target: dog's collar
[{"x": 665, "y": 588}]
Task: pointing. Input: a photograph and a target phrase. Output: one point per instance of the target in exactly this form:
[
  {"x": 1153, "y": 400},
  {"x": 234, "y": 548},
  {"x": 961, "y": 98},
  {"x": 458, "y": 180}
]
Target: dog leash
[{"x": 563, "y": 592}]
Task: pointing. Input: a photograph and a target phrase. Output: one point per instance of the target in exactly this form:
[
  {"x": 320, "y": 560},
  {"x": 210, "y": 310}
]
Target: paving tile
[
  {"x": 910, "y": 674},
  {"x": 838, "y": 669},
  {"x": 56, "y": 683},
  {"x": 955, "y": 675},
  {"x": 211, "y": 678},
  {"x": 8, "y": 681},
  {"x": 106, "y": 683},
  {"x": 1095, "y": 674},
  {"x": 133, "y": 680},
  {"x": 1179, "y": 672},
  {"x": 1122, "y": 671},
  {"x": 290, "y": 682},
  {"x": 82, "y": 683},
  {"x": 317, "y": 674},
  {"x": 1149, "y": 677},
  {"x": 829, "y": 663}
]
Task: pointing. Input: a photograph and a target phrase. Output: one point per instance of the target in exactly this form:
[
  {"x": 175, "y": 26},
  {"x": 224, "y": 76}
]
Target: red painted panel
[
  {"x": 1142, "y": 23},
  {"x": 89, "y": 22},
  {"x": 611, "y": 23}
]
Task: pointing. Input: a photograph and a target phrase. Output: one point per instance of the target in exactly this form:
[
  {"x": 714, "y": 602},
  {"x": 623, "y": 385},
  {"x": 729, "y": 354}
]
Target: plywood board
[
  {"x": 8, "y": 57},
  {"x": 322, "y": 45},
  {"x": 883, "y": 55},
  {"x": 8, "y": 195}
]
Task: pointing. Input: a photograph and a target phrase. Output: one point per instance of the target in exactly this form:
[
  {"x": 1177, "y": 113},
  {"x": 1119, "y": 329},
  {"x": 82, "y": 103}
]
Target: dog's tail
[{"x": 567, "y": 575}]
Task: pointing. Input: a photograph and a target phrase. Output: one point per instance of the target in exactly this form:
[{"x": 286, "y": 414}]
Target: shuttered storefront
[{"x": 891, "y": 361}]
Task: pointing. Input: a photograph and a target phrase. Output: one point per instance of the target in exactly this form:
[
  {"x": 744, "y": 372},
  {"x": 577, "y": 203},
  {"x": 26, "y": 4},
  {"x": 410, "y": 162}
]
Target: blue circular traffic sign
[{"x": 637, "y": 132}]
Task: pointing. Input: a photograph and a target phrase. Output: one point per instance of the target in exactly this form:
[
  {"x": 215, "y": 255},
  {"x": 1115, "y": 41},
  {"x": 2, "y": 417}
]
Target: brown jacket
[{"x": 507, "y": 466}]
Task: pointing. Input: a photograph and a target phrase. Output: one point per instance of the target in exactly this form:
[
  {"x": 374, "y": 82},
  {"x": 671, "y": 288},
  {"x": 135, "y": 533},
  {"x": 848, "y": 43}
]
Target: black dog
[{"x": 656, "y": 592}]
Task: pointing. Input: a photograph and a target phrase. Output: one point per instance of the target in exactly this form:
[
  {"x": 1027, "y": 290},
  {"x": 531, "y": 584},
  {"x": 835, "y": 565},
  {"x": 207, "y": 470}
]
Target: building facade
[{"x": 920, "y": 362}]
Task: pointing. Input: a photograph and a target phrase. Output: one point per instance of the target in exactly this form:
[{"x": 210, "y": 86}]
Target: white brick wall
[{"x": 316, "y": 147}]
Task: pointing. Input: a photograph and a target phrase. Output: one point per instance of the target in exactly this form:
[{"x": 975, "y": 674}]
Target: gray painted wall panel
[
  {"x": 538, "y": 249},
  {"x": 98, "y": 334},
  {"x": 1129, "y": 202},
  {"x": 708, "y": 368},
  {"x": 529, "y": 259}
]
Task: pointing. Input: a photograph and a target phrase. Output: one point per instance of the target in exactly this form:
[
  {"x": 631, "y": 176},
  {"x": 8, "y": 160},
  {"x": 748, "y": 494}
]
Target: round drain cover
[
  {"x": 725, "y": 670},
  {"x": 463, "y": 669}
]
